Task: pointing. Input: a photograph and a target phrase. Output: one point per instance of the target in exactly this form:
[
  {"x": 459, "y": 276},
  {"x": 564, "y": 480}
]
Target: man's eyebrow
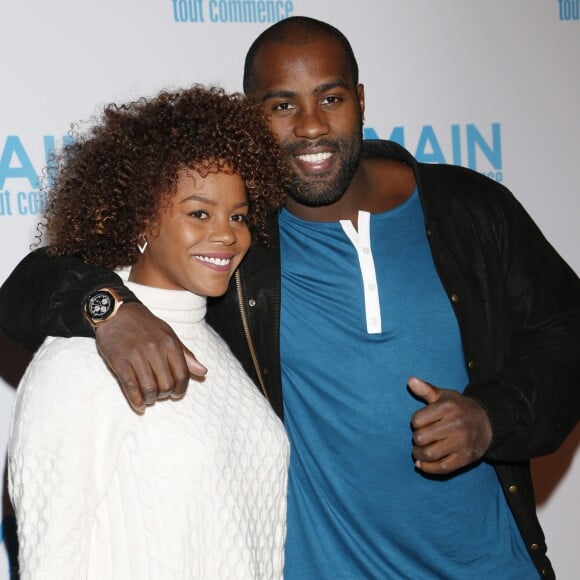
[
  {"x": 329, "y": 86},
  {"x": 278, "y": 95},
  {"x": 286, "y": 94}
]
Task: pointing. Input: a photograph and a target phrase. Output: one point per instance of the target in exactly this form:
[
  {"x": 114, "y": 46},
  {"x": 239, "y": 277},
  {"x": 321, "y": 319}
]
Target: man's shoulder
[
  {"x": 457, "y": 172},
  {"x": 439, "y": 176},
  {"x": 464, "y": 185}
]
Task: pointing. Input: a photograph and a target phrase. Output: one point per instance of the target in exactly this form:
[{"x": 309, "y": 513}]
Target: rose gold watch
[{"x": 102, "y": 305}]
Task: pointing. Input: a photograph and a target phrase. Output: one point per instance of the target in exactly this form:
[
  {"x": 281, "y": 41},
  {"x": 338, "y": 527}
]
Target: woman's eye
[
  {"x": 199, "y": 214},
  {"x": 240, "y": 218}
]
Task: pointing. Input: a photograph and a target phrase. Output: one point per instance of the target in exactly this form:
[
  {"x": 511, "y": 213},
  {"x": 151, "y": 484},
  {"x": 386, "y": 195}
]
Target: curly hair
[{"x": 115, "y": 179}]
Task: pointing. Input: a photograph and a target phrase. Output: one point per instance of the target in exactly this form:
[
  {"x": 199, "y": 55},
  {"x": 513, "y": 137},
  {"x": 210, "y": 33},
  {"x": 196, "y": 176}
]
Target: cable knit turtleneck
[
  {"x": 179, "y": 308},
  {"x": 194, "y": 488}
]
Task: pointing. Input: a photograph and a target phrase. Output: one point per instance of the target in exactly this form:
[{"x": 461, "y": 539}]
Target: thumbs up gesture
[{"x": 450, "y": 432}]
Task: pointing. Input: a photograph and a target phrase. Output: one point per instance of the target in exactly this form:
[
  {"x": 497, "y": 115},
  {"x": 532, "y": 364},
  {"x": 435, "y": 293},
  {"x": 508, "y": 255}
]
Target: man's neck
[{"x": 377, "y": 186}]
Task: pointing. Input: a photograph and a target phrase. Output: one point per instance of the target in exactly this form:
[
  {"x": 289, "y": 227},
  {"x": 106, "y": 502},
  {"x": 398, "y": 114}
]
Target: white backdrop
[{"x": 489, "y": 84}]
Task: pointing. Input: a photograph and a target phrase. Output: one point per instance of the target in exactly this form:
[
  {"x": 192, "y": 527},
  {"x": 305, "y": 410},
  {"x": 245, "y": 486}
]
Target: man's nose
[{"x": 311, "y": 123}]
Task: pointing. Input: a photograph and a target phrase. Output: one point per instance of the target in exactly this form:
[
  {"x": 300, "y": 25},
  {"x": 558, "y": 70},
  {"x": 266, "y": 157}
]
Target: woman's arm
[{"x": 65, "y": 437}]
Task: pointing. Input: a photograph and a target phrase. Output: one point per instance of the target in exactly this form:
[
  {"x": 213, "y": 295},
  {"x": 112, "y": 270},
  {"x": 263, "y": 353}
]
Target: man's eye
[
  {"x": 330, "y": 100},
  {"x": 283, "y": 107}
]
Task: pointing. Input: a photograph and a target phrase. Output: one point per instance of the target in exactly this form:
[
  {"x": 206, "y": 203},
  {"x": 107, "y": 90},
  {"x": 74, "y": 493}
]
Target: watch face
[{"x": 100, "y": 305}]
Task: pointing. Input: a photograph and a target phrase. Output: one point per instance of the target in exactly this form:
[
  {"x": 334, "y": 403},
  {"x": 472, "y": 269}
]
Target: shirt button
[
  {"x": 513, "y": 489},
  {"x": 534, "y": 547},
  {"x": 454, "y": 298},
  {"x": 366, "y": 250},
  {"x": 372, "y": 287},
  {"x": 470, "y": 364},
  {"x": 252, "y": 302}
]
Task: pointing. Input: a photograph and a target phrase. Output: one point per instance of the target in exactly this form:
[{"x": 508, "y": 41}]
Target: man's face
[{"x": 316, "y": 112}]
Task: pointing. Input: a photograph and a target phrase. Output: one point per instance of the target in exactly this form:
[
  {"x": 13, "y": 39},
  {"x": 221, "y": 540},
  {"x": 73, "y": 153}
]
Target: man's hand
[
  {"x": 146, "y": 356},
  {"x": 451, "y": 432}
]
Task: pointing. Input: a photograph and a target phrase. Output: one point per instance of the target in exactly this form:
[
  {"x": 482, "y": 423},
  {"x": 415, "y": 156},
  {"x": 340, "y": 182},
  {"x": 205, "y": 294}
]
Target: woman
[{"x": 165, "y": 189}]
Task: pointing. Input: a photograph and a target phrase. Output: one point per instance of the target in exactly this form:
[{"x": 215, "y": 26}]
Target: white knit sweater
[{"x": 194, "y": 488}]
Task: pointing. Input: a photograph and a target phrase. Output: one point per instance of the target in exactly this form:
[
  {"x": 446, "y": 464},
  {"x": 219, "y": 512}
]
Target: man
[{"x": 382, "y": 274}]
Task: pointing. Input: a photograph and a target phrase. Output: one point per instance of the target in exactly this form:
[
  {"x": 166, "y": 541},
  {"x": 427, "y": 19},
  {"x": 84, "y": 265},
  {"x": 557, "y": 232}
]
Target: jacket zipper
[{"x": 249, "y": 340}]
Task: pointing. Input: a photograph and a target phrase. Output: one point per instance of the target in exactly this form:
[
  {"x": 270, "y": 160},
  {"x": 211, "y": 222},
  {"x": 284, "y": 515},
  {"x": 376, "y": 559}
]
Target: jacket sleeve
[
  {"x": 44, "y": 296},
  {"x": 533, "y": 396}
]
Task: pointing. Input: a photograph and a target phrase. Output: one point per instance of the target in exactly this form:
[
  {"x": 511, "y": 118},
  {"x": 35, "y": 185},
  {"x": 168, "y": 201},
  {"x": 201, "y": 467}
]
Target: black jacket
[{"x": 517, "y": 303}]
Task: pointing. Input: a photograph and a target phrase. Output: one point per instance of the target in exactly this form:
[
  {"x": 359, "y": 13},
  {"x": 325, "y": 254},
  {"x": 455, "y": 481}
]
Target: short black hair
[{"x": 297, "y": 30}]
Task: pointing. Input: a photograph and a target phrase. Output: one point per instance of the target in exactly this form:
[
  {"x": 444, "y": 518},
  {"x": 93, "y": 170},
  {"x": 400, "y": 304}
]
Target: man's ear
[{"x": 360, "y": 89}]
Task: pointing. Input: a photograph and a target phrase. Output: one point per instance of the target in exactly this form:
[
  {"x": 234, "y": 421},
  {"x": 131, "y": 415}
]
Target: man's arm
[
  {"x": 528, "y": 406},
  {"x": 533, "y": 400},
  {"x": 45, "y": 296},
  {"x": 146, "y": 356}
]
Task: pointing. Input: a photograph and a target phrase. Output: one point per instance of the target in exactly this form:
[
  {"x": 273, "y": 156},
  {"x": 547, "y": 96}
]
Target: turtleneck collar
[{"x": 173, "y": 306}]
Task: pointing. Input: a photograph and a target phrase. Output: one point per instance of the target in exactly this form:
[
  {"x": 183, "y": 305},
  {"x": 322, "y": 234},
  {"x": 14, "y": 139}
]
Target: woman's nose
[{"x": 223, "y": 232}]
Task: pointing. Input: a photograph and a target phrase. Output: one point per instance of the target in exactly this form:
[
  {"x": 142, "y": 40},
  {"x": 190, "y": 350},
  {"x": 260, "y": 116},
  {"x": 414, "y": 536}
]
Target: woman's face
[{"x": 202, "y": 237}]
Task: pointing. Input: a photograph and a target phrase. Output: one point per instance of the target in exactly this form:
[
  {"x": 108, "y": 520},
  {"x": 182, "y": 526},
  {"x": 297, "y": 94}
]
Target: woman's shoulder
[
  {"x": 67, "y": 359},
  {"x": 67, "y": 378}
]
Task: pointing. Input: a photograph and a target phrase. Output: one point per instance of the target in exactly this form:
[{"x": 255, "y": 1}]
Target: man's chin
[{"x": 312, "y": 198}]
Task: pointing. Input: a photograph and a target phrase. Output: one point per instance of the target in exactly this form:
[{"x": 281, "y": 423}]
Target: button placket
[{"x": 361, "y": 241}]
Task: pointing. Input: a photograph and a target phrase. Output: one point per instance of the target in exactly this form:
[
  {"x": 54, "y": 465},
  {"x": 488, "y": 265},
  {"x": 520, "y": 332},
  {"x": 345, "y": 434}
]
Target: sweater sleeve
[
  {"x": 44, "y": 296},
  {"x": 62, "y": 452}
]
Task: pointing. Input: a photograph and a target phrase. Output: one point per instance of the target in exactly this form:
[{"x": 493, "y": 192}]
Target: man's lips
[
  {"x": 315, "y": 157},
  {"x": 319, "y": 161}
]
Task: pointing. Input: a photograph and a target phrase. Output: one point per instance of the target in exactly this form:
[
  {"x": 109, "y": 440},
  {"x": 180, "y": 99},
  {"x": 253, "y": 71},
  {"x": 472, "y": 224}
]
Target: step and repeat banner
[{"x": 488, "y": 84}]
